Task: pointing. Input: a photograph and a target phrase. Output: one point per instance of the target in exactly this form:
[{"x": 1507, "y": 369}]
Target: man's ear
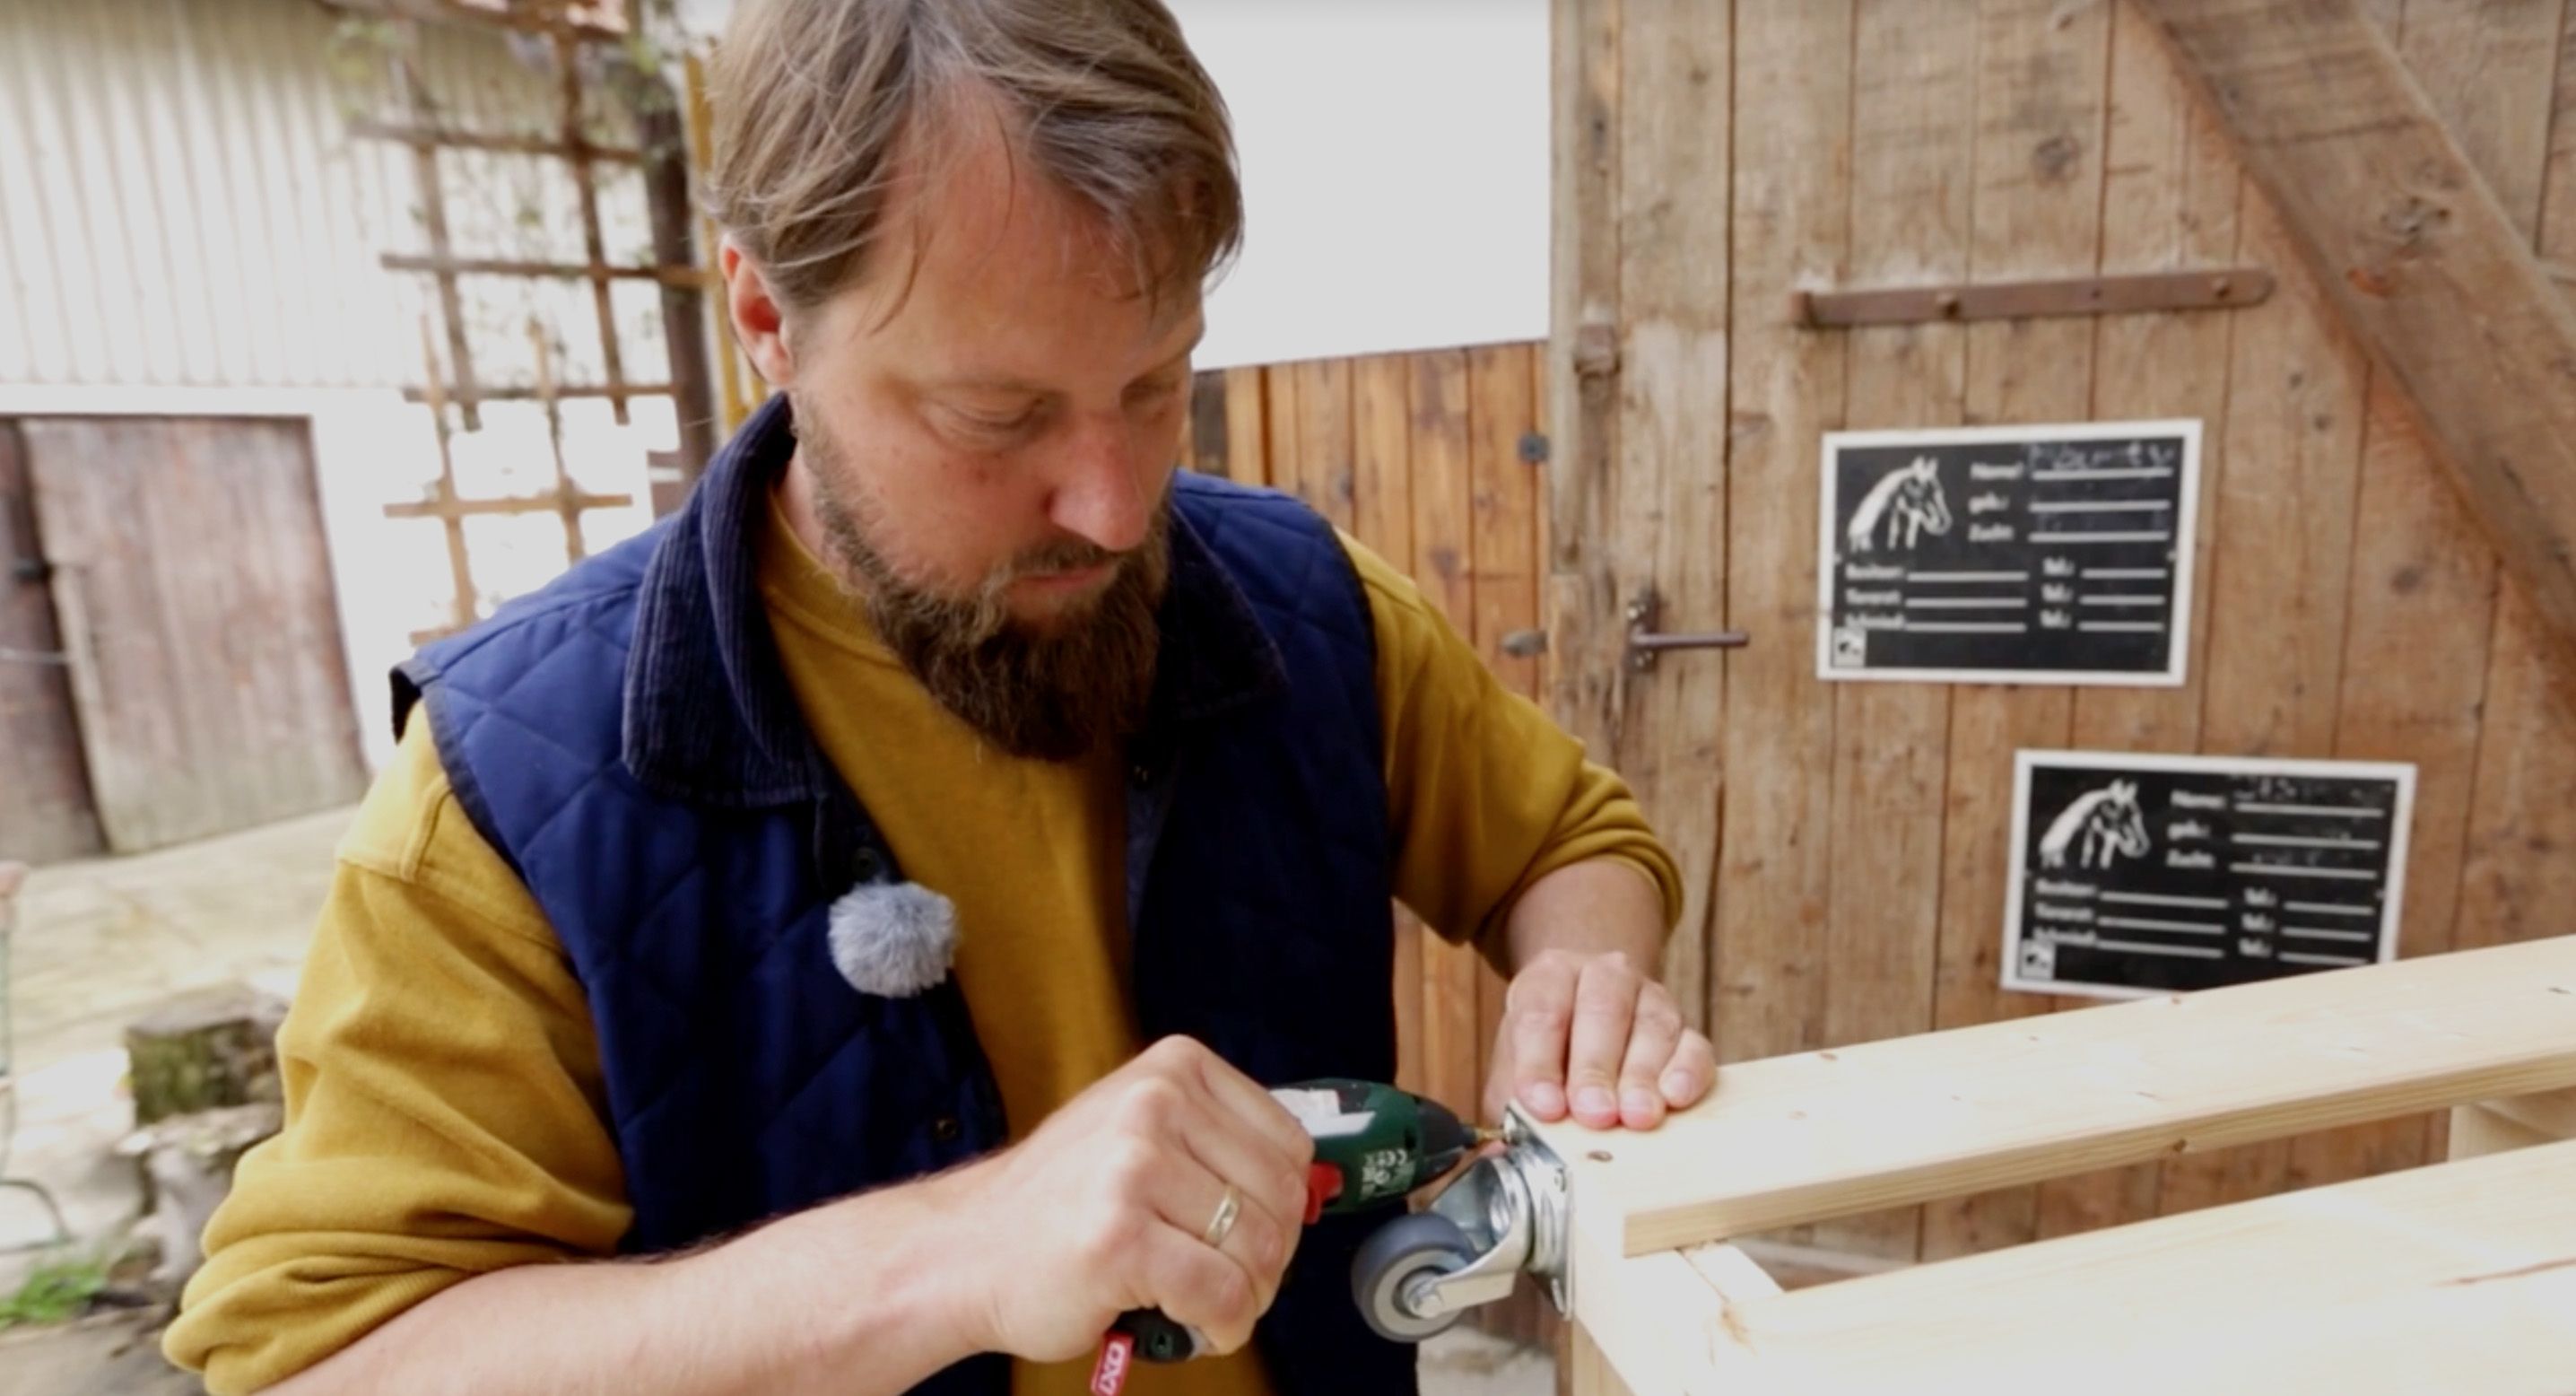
[{"x": 759, "y": 321}]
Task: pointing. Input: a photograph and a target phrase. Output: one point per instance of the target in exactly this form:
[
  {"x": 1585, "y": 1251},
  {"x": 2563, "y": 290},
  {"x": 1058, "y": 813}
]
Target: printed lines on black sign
[
  {"x": 2151, "y": 873},
  {"x": 2330, "y": 908}
]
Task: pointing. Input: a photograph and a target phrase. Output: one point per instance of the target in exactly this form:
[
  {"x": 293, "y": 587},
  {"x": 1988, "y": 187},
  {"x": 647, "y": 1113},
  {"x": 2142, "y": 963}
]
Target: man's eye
[{"x": 997, "y": 424}]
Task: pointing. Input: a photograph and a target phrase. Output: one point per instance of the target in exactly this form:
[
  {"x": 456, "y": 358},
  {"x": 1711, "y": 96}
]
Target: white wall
[{"x": 1395, "y": 164}]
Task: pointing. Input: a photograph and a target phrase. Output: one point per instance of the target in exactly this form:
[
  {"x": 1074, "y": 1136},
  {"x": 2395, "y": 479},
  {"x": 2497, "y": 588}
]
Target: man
[{"x": 772, "y": 910}]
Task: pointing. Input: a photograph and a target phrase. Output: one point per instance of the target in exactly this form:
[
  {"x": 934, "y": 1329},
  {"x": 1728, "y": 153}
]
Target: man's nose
[{"x": 1106, "y": 486}]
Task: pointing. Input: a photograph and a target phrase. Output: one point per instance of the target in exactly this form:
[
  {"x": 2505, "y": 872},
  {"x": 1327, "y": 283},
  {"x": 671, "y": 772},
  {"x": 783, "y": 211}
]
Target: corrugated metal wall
[{"x": 181, "y": 202}]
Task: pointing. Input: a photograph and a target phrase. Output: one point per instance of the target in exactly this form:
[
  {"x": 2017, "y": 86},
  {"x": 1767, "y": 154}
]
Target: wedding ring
[{"x": 1222, "y": 1224}]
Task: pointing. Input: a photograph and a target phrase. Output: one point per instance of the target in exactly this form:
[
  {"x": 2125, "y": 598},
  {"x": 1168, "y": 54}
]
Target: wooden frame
[{"x": 2457, "y": 1277}]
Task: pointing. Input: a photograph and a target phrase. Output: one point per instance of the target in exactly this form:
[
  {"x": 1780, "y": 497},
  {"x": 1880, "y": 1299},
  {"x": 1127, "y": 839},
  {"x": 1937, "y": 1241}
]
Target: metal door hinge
[{"x": 1645, "y": 642}]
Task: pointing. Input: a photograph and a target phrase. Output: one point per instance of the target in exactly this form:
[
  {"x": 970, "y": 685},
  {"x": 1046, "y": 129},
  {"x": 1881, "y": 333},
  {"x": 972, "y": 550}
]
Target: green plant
[{"x": 56, "y": 1290}]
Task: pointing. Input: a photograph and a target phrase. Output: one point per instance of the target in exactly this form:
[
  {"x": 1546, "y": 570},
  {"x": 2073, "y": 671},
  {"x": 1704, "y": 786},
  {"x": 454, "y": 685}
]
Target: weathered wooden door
[
  {"x": 1846, "y": 845},
  {"x": 45, "y": 810},
  {"x": 193, "y": 593}
]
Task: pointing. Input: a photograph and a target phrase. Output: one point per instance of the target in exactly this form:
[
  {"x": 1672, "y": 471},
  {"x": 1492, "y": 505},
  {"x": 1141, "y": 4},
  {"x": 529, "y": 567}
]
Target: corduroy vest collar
[{"x": 709, "y": 716}]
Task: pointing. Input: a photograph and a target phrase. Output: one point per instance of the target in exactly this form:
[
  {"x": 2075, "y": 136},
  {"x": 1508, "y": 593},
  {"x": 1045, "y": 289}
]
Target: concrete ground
[{"x": 101, "y": 941}]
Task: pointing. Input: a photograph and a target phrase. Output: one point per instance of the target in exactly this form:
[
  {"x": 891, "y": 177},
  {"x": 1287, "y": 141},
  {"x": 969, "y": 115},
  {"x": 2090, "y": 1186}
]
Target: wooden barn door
[
  {"x": 45, "y": 811},
  {"x": 194, "y": 597}
]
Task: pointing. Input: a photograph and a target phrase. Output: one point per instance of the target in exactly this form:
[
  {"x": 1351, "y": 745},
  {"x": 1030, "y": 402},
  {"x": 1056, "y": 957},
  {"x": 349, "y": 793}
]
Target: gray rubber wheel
[{"x": 1402, "y": 1251}]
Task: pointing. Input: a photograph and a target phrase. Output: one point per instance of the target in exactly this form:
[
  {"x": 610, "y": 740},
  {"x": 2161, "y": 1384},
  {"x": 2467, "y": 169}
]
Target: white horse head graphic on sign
[
  {"x": 2106, "y": 822},
  {"x": 1905, "y": 504}
]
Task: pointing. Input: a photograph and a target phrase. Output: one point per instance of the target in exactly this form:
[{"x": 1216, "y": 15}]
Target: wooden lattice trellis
[{"x": 568, "y": 29}]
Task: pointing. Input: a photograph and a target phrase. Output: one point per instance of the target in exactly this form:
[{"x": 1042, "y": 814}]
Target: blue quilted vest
[{"x": 628, "y": 742}]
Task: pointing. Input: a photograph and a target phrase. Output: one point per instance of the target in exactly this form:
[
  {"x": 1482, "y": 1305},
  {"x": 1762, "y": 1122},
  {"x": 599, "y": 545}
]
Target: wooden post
[
  {"x": 460, "y": 567},
  {"x": 433, "y": 219},
  {"x": 667, "y": 203},
  {"x": 594, "y": 243},
  {"x": 567, "y": 498}
]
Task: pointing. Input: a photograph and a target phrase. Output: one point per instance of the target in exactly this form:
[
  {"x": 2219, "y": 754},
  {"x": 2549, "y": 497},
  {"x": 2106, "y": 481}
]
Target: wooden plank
[
  {"x": 430, "y": 204},
  {"x": 1283, "y": 423},
  {"x": 1504, "y": 412},
  {"x": 1323, "y": 436},
  {"x": 1670, "y": 531},
  {"x": 366, "y": 128},
  {"x": 449, "y": 508},
  {"x": 2520, "y": 873},
  {"x": 1591, "y": 1372},
  {"x": 1205, "y": 438},
  {"x": 2520, "y": 877},
  {"x": 2458, "y": 1278},
  {"x": 2488, "y": 69},
  {"x": 1913, "y": 162},
  {"x": 2558, "y": 178},
  {"x": 2281, "y": 569},
  {"x": 1382, "y": 519},
  {"x": 2423, "y": 598},
  {"x": 1794, "y": 225},
  {"x": 527, "y": 392},
  {"x": 47, "y": 813},
  {"x": 1444, "y": 542},
  {"x": 206, "y": 644},
  {"x": 1793, "y": 212},
  {"x": 1381, "y": 456},
  {"x": 123, "y": 668},
  {"x": 2129, "y": 293},
  {"x": 2170, "y": 198},
  {"x": 568, "y": 65},
  {"x": 2491, "y": 1126},
  {"x": 1505, "y": 501},
  {"x": 2042, "y": 94},
  {"x": 1587, "y": 637},
  {"x": 1247, "y": 426},
  {"x": 2424, "y": 578},
  {"x": 1837, "y": 1132},
  {"x": 1654, "y": 1320},
  {"x": 696, "y": 278},
  {"x": 2381, "y": 206}
]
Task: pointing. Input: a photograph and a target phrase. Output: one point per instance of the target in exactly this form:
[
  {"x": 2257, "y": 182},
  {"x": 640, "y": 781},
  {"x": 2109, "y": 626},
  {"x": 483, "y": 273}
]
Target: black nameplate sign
[
  {"x": 2136, "y": 875},
  {"x": 2031, "y": 554}
]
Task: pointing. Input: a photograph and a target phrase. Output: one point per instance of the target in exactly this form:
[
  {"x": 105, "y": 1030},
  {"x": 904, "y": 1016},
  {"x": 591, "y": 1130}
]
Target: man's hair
[{"x": 821, "y": 106}]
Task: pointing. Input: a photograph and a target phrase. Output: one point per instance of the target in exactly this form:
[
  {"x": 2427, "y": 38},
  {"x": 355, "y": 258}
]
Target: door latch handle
[{"x": 1645, "y": 642}]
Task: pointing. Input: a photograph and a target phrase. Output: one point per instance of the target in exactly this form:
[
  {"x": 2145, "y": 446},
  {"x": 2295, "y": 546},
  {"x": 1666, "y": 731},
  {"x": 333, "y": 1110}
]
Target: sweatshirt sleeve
[
  {"x": 1486, "y": 793},
  {"x": 444, "y": 1108}
]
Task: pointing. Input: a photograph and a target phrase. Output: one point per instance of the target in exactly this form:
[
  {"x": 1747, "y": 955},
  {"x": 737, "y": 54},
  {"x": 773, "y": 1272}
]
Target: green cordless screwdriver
[{"x": 1374, "y": 1145}]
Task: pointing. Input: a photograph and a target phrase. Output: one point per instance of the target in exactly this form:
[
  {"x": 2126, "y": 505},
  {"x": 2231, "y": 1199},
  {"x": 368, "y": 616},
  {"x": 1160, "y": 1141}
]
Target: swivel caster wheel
[{"x": 1400, "y": 1261}]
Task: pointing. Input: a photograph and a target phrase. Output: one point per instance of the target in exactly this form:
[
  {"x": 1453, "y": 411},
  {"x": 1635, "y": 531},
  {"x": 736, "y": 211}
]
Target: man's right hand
[{"x": 1107, "y": 1207}]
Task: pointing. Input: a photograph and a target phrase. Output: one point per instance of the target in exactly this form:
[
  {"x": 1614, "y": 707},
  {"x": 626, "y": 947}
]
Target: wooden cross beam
[{"x": 2418, "y": 256}]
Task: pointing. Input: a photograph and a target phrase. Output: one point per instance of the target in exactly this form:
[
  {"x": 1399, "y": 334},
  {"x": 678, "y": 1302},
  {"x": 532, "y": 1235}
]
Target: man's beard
[{"x": 1054, "y": 691}]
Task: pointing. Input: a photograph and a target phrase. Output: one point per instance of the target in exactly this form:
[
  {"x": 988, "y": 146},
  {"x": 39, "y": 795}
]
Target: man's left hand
[{"x": 1591, "y": 1034}]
